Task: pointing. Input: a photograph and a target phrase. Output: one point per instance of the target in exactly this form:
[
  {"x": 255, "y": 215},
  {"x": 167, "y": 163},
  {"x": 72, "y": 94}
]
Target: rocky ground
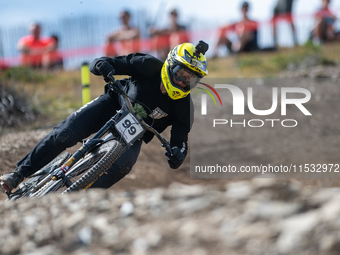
[{"x": 262, "y": 216}]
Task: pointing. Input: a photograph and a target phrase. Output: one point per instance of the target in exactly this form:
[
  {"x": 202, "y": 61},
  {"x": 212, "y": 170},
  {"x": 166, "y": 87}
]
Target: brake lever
[
  {"x": 110, "y": 76},
  {"x": 115, "y": 85},
  {"x": 166, "y": 144}
]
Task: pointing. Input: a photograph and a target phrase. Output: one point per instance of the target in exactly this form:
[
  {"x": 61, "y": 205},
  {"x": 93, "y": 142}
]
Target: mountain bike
[{"x": 79, "y": 171}]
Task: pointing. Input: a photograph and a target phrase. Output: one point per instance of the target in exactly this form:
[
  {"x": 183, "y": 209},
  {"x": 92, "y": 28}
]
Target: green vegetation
[
  {"x": 25, "y": 74},
  {"x": 52, "y": 95}
]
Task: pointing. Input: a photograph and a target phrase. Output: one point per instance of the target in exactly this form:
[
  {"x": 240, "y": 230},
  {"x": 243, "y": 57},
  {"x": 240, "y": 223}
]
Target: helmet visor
[{"x": 184, "y": 75}]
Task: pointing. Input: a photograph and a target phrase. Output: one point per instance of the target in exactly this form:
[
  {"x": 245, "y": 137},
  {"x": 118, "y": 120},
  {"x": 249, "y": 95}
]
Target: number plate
[{"x": 129, "y": 128}]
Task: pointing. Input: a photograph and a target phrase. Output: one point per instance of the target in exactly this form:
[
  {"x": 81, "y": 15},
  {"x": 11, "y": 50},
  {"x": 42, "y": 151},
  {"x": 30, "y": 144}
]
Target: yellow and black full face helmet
[{"x": 185, "y": 63}]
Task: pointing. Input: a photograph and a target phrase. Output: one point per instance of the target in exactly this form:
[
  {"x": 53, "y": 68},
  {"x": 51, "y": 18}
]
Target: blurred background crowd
[{"x": 68, "y": 42}]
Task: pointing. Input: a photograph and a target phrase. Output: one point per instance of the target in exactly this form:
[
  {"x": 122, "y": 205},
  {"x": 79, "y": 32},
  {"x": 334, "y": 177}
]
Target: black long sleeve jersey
[{"x": 144, "y": 71}]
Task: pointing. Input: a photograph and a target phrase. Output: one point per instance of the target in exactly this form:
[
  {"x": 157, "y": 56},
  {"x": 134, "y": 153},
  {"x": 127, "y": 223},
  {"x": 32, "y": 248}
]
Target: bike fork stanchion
[{"x": 82, "y": 151}]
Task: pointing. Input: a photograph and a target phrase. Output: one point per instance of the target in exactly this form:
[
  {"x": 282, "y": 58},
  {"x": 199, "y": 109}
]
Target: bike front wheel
[{"x": 35, "y": 182}]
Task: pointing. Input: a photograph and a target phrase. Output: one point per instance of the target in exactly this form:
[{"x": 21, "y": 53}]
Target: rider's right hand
[
  {"x": 176, "y": 158},
  {"x": 107, "y": 70}
]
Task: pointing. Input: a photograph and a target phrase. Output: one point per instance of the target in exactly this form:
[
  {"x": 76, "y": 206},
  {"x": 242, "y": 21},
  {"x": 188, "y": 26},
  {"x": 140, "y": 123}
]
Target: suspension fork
[{"x": 81, "y": 152}]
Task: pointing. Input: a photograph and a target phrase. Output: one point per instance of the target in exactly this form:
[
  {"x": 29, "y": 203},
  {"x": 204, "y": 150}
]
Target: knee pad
[{"x": 64, "y": 138}]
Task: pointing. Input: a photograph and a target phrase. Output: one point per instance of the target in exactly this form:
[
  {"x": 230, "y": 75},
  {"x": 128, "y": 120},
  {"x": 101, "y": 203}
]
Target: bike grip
[{"x": 110, "y": 76}]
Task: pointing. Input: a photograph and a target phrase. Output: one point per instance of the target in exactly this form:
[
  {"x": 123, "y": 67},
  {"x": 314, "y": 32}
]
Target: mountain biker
[{"x": 164, "y": 87}]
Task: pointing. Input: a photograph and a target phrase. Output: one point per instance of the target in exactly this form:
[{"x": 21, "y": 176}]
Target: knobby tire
[{"x": 97, "y": 170}]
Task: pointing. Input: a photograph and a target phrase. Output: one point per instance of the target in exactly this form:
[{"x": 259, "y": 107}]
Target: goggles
[{"x": 189, "y": 78}]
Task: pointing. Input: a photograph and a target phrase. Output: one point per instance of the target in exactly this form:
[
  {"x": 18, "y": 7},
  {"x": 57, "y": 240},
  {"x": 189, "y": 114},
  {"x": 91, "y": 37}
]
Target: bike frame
[{"x": 110, "y": 127}]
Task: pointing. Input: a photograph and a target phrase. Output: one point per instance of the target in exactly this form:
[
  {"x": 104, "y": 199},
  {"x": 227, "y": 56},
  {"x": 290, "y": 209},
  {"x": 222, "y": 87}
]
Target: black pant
[{"x": 78, "y": 126}]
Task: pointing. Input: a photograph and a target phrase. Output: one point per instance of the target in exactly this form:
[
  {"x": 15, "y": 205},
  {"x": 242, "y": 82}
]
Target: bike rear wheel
[{"x": 85, "y": 172}]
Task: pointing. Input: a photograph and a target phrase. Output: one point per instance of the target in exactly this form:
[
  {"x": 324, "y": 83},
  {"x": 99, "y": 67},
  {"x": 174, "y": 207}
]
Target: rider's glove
[
  {"x": 175, "y": 159},
  {"x": 107, "y": 70}
]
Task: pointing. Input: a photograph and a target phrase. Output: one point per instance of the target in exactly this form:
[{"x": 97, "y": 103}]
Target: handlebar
[{"x": 116, "y": 86}]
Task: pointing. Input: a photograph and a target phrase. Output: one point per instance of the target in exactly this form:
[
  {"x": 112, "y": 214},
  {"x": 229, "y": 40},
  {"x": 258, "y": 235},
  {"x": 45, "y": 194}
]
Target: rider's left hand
[
  {"x": 107, "y": 70},
  {"x": 175, "y": 159}
]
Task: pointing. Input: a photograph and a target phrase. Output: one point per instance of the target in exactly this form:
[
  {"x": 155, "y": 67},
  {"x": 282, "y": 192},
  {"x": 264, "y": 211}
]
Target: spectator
[
  {"x": 34, "y": 48},
  {"x": 246, "y": 31},
  {"x": 53, "y": 59},
  {"x": 283, "y": 11},
  {"x": 126, "y": 39},
  {"x": 324, "y": 28},
  {"x": 166, "y": 39}
]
